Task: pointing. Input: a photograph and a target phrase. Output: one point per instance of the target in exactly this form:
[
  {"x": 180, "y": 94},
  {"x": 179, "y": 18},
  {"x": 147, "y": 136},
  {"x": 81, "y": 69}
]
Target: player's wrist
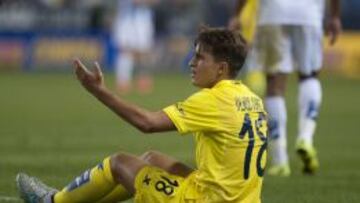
[{"x": 97, "y": 89}]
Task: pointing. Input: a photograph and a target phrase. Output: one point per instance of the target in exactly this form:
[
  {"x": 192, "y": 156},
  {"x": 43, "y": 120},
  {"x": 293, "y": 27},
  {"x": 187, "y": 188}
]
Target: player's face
[{"x": 204, "y": 68}]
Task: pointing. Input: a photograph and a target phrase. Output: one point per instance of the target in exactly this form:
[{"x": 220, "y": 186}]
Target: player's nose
[{"x": 192, "y": 62}]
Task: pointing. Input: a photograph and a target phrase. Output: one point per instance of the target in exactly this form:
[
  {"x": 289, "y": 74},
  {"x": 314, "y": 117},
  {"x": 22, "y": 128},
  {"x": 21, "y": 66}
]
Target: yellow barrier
[{"x": 344, "y": 57}]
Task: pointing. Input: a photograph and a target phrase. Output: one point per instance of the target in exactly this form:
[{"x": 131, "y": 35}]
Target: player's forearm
[
  {"x": 136, "y": 116},
  {"x": 334, "y": 8}
]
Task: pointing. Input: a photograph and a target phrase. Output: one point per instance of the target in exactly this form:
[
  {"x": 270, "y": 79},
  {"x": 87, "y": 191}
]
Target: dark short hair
[{"x": 224, "y": 45}]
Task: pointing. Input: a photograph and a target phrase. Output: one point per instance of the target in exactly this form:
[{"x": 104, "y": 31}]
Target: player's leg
[
  {"x": 92, "y": 185},
  {"x": 309, "y": 52},
  {"x": 114, "y": 180},
  {"x": 310, "y": 94},
  {"x": 153, "y": 158},
  {"x": 276, "y": 107},
  {"x": 144, "y": 79},
  {"x": 275, "y": 51},
  {"x": 125, "y": 38},
  {"x": 119, "y": 193},
  {"x": 124, "y": 67},
  {"x": 116, "y": 173},
  {"x": 167, "y": 163},
  {"x": 145, "y": 31}
]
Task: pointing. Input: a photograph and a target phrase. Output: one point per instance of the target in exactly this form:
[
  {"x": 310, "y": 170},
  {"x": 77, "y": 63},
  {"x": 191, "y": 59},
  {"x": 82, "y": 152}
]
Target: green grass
[{"x": 51, "y": 128}]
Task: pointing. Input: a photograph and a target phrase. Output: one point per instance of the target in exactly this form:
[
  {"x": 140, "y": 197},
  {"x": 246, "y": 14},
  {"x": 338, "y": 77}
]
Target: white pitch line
[{"x": 9, "y": 199}]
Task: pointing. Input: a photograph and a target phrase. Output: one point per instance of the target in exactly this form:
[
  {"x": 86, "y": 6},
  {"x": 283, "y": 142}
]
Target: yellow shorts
[{"x": 154, "y": 185}]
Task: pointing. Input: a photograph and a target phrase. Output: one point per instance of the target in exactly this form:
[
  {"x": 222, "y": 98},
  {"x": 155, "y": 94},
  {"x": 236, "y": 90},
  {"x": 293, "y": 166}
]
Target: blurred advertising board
[
  {"x": 12, "y": 54},
  {"x": 344, "y": 56},
  {"x": 52, "y": 51}
]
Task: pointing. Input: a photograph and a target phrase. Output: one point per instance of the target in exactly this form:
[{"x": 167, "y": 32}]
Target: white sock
[
  {"x": 124, "y": 68},
  {"x": 277, "y": 124},
  {"x": 309, "y": 102}
]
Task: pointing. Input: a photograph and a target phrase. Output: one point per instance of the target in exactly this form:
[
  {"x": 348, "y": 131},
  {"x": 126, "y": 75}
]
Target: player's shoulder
[
  {"x": 201, "y": 98},
  {"x": 202, "y": 94}
]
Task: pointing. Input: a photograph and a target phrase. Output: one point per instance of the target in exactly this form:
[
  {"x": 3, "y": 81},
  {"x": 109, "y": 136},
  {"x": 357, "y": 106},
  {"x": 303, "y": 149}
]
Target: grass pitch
[{"x": 51, "y": 128}]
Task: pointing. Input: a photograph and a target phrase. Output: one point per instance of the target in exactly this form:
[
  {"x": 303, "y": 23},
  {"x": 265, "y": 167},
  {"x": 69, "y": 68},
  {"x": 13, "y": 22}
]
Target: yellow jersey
[{"x": 230, "y": 128}]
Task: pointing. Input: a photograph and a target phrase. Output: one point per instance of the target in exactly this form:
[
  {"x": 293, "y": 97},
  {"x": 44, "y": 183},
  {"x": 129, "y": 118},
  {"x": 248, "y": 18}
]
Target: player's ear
[{"x": 223, "y": 68}]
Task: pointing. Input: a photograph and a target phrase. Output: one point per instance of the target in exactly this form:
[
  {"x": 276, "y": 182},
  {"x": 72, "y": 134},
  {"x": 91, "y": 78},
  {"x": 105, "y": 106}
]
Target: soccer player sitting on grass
[{"x": 228, "y": 122}]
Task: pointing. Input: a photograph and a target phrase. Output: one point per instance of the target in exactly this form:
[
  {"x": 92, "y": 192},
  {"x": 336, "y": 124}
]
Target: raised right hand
[{"x": 90, "y": 80}]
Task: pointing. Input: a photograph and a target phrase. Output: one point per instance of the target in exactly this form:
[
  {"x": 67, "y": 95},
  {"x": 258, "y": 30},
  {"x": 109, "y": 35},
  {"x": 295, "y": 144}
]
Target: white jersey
[
  {"x": 291, "y": 12},
  {"x": 133, "y": 26}
]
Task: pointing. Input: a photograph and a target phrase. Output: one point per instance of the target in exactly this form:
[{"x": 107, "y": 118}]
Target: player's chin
[
  {"x": 198, "y": 84},
  {"x": 194, "y": 81}
]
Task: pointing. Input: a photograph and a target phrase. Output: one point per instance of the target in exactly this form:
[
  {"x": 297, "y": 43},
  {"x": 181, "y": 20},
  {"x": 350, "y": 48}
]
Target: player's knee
[
  {"x": 304, "y": 76},
  {"x": 117, "y": 161},
  {"x": 276, "y": 85},
  {"x": 274, "y": 92},
  {"x": 149, "y": 156}
]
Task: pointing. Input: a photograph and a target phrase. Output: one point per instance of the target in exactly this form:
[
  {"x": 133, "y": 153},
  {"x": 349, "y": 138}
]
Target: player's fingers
[
  {"x": 98, "y": 71},
  {"x": 77, "y": 67},
  {"x": 81, "y": 71},
  {"x": 80, "y": 65},
  {"x": 77, "y": 63}
]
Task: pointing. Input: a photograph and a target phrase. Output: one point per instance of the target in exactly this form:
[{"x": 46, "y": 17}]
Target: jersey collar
[{"x": 227, "y": 82}]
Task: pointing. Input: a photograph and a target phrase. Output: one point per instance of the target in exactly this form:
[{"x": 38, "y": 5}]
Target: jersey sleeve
[{"x": 197, "y": 113}]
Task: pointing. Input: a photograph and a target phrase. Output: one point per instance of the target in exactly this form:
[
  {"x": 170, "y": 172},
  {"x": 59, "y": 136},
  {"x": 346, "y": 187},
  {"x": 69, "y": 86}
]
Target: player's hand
[
  {"x": 91, "y": 80},
  {"x": 333, "y": 29}
]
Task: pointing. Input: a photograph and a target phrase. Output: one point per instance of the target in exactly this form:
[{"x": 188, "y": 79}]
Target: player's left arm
[
  {"x": 333, "y": 24},
  {"x": 142, "y": 119}
]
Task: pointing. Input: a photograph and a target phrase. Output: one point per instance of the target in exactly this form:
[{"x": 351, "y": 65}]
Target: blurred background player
[
  {"x": 244, "y": 20},
  {"x": 133, "y": 35},
  {"x": 289, "y": 37}
]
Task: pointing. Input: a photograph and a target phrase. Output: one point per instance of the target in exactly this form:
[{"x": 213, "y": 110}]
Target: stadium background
[{"x": 51, "y": 128}]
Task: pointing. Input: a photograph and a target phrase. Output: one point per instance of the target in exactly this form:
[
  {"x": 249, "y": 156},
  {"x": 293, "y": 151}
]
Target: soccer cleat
[
  {"x": 308, "y": 155},
  {"x": 282, "y": 170},
  {"x": 33, "y": 190}
]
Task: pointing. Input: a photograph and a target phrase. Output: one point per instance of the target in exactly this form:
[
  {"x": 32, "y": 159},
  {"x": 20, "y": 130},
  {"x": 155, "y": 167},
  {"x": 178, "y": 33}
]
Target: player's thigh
[
  {"x": 307, "y": 43},
  {"x": 125, "y": 167},
  {"x": 153, "y": 184},
  {"x": 167, "y": 163},
  {"x": 272, "y": 50}
]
